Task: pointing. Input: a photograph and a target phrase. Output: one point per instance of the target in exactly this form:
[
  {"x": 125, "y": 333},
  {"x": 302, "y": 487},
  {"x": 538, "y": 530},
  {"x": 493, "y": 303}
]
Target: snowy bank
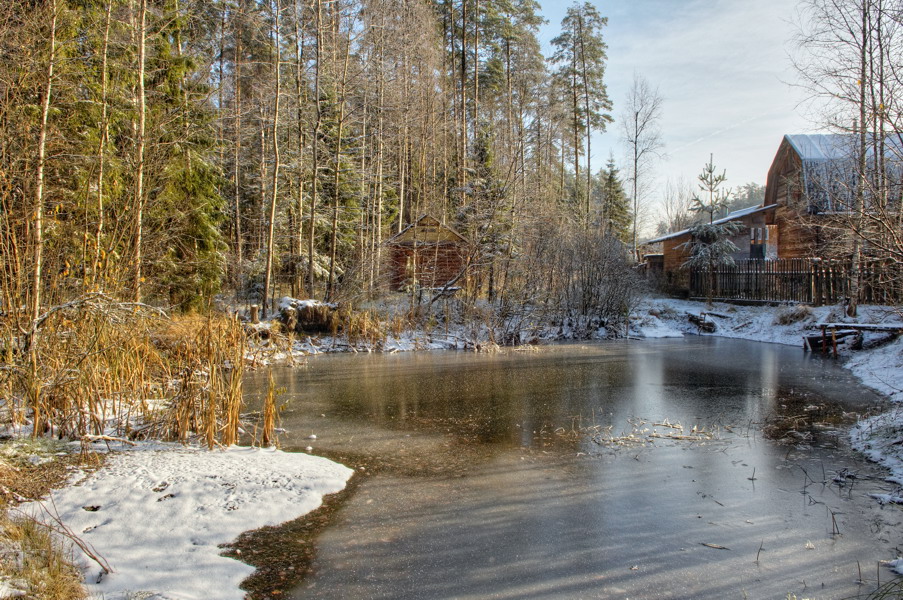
[
  {"x": 880, "y": 367},
  {"x": 157, "y": 515}
]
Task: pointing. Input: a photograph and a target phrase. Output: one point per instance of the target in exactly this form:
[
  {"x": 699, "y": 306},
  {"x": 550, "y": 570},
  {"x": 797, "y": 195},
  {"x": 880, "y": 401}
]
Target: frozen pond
[{"x": 481, "y": 477}]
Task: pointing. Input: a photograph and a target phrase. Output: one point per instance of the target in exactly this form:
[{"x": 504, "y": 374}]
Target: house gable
[{"x": 426, "y": 230}]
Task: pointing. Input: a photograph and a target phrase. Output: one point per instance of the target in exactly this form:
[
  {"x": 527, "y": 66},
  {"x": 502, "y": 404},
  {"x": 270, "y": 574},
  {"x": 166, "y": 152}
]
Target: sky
[{"x": 723, "y": 69}]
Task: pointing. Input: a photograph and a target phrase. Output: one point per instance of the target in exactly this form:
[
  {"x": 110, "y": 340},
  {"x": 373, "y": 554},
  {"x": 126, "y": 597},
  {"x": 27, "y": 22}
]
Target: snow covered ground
[{"x": 158, "y": 513}]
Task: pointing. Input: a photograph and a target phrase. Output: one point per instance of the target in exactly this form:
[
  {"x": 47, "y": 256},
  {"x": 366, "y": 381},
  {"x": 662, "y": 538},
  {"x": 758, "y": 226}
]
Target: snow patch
[
  {"x": 159, "y": 513},
  {"x": 287, "y": 302},
  {"x": 896, "y": 566}
]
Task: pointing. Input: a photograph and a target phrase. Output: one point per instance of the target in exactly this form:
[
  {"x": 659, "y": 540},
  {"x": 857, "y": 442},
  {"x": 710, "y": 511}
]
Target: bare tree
[
  {"x": 640, "y": 128},
  {"x": 849, "y": 62},
  {"x": 274, "y": 183},
  {"x": 140, "y": 147},
  {"x": 677, "y": 203},
  {"x": 41, "y": 163}
]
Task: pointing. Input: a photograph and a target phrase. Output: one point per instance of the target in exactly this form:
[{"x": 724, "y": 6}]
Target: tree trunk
[
  {"x": 274, "y": 183},
  {"x": 300, "y": 100},
  {"x": 315, "y": 159},
  {"x": 101, "y": 147},
  {"x": 139, "y": 153},
  {"x": 589, "y": 172},
  {"x": 236, "y": 155},
  {"x": 859, "y": 201},
  {"x": 39, "y": 173},
  {"x": 330, "y": 290}
]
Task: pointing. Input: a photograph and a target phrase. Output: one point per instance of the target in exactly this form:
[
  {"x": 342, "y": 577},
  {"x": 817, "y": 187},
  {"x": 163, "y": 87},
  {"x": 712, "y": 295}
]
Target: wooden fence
[{"x": 805, "y": 280}]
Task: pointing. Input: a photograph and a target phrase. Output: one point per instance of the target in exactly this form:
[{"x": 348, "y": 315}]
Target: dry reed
[
  {"x": 96, "y": 367},
  {"x": 268, "y": 427},
  {"x": 37, "y": 562}
]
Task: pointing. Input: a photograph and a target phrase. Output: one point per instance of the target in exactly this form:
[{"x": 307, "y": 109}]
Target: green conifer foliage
[{"x": 614, "y": 205}]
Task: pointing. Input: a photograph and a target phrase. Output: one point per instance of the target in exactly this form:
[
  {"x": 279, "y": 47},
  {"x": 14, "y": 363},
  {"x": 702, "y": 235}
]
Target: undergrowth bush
[{"x": 793, "y": 314}]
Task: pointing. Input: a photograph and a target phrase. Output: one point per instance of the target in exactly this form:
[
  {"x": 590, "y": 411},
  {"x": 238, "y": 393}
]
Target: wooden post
[
  {"x": 834, "y": 341},
  {"x": 255, "y": 313},
  {"x": 824, "y": 338}
]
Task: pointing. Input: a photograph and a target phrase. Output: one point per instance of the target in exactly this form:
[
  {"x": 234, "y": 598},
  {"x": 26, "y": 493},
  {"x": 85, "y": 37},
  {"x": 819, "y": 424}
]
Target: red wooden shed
[{"x": 426, "y": 253}]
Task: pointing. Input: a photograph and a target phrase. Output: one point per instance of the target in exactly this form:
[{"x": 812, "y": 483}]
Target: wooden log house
[
  {"x": 809, "y": 193},
  {"x": 757, "y": 239}
]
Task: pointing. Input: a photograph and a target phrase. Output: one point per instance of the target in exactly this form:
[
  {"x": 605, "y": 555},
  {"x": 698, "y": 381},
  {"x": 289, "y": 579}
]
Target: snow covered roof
[
  {"x": 830, "y": 171},
  {"x": 737, "y": 214},
  {"x": 837, "y": 146}
]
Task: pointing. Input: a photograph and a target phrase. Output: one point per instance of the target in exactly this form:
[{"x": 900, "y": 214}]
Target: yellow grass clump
[{"x": 96, "y": 368}]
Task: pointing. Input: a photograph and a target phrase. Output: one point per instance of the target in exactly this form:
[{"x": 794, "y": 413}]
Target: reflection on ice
[{"x": 488, "y": 483}]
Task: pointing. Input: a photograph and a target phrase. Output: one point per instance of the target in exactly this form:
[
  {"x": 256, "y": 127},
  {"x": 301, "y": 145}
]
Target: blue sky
[{"x": 722, "y": 67}]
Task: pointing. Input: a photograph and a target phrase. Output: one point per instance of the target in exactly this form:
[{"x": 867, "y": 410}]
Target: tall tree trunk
[
  {"x": 336, "y": 196},
  {"x": 575, "y": 99},
  {"x": 403, "y": 154},
  {"x": 139, "y": 153},
  {"x": 859, "y": 199},
  {"x": 462, "y": 161},
  {"x": 589, "y": 172},
  {"x": 315, "y": 175},
  {"x": 380, "y": 146},
  {"x": 259, "y": 234},
  {"x": 300, "y": 99},
  {"x": 476, "y": 67},
  {"x": 37, "y": 275},
  {"x": 274, "y": 182},
  {"x": 634, "y": 185},
  {"x": 236, "y": 150},
  {"x": 101, "y": 146}
]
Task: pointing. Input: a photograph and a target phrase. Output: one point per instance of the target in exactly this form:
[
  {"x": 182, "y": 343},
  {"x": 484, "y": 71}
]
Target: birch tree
[{"x": 641, "y": 132}]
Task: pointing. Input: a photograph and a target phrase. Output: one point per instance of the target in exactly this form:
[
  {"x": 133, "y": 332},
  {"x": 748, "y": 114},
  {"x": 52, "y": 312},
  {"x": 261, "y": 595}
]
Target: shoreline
[{"x": 134, "y": 483}]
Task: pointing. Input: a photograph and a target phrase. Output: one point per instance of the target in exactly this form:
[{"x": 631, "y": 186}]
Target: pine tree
[
  {"x": 710, "y": 245},
  {"x": 580, "y": 56}
]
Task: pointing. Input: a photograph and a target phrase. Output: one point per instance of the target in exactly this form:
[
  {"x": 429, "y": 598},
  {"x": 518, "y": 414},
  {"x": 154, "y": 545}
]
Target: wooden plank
[{"x": 889, "y": 327}]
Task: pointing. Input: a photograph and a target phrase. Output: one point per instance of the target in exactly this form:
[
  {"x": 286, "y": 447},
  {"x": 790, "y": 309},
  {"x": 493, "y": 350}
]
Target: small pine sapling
[{"x": 710, "y": 245}]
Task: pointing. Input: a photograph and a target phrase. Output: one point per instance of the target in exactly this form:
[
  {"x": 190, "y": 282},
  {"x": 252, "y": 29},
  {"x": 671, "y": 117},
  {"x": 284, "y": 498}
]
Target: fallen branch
[
  {"x": 715, "y": 546},
  {"x": 106, "y": 438},
  {"x": 60, "y": 528}
]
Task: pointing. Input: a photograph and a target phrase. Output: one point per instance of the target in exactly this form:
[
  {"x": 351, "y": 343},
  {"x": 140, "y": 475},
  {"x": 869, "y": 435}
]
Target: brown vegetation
[{"x": 94, "y": 368}]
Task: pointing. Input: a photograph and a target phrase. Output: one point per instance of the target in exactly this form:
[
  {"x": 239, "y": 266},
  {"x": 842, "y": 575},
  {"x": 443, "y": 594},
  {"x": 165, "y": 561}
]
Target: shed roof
[
  {"x": 427, "y": 230},
  {"x": 737, "y": 214}
]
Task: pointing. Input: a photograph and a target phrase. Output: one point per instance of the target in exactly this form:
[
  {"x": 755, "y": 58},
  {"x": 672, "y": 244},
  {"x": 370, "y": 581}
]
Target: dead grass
[
  {"x": 31, "y": 467},
  {"x": 33, "y": 559},
  {"x": 36, "y": 562},
  {"x": 892, "y": 590},
  {"x": 362, "y": 327},
  {"x": 99, "y": 369},
  {"x": 96, "y": 367},
  {"x": 793, "y": 314}
]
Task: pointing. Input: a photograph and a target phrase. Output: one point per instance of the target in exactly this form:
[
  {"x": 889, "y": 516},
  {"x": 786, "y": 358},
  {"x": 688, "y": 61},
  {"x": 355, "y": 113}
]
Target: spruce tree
[{"x": 614, "y": 205}]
